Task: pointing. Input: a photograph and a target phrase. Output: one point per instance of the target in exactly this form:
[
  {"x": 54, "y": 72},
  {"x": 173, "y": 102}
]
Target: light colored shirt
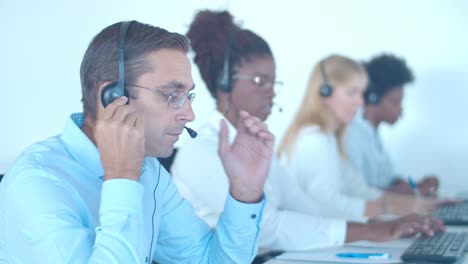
[
  {"x": 331, "y": 183},
  {"x": 288, "y": 222},
  {"x": 365, "y": 151},
  {"x": 56, "y": 208}
]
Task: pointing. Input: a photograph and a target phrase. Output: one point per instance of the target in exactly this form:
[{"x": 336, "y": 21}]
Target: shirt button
[
  {"x": 253, "y": 216},
  {"x": 146, "y": 260}
]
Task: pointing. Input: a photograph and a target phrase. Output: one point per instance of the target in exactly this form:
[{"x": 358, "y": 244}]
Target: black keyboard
[
  {"x": 453, "y": 214},
  {"x": 443, "y": 247}
]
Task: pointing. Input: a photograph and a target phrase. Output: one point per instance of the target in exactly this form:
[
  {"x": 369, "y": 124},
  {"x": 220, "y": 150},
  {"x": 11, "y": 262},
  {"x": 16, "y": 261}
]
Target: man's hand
[
  {"x": 428, "y": 186},
  {"x": 247, "y": 160},
  {"x": 406, "y": 204},
  {"x": 410, "y": 225},
  {"x": 119, "y": 135}
]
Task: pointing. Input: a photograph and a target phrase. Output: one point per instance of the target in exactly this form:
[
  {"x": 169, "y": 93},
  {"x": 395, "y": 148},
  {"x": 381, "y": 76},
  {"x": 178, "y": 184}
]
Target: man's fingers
[
  {"x": 130, "y": 119},
  {"x": 253, "y": 125},
  {"x": 402, "y": 230},
  {"x": 267, "y": 138},
  {"x": 139, "y": 124},
  {"x": 122, "y": 112},
  {"x": 436, "y": 224},
  {"x": 110, "y": 110},
  {"x": 223, "y": 145},
  {"x": 412, "y": 228},
  {"x": 419, "y": 224},
  {"x": 244, "y": 114}
]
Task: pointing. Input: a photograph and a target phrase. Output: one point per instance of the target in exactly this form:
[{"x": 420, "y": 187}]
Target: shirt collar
[
  {"x": 363, "y": 121},
  {"x": 80, "y": 147}
]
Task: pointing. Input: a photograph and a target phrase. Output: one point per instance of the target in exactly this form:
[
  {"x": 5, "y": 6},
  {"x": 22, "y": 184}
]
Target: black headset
[
  {"x": 326, "y": 89},
  {"x": 370, "y": 95},
  {"x": 224, "y": 82},
  {"x": 117, "y": 89}
]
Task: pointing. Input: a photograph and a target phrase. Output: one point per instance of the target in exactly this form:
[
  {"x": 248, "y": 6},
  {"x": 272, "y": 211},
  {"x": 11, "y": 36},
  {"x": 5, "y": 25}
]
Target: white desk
[
  {"x": 463, "y": 260},
  {"x": 401, "y": 245}
]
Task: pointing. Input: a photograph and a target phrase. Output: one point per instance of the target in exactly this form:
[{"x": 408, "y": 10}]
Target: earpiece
[
  {"x": 371, "y": 96},
  {"x": 117, "y": 89},
  {"x": 225, "y": 80},
  {"x": 111, "y": 92},
  {"x": 326, "y": 89}
]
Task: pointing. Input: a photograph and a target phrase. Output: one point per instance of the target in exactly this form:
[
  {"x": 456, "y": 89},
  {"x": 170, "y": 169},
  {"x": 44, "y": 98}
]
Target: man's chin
[
  {"x": 263, "y": 116},
  {"x": 392, "y": 122},
  {"x": 163, "y": 153}
]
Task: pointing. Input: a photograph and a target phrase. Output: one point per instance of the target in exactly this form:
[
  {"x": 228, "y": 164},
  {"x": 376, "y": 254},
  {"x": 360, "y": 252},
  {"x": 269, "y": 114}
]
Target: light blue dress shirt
[
  {"x": 56, "y": 208},
  {"x": 366, "y": 152}
]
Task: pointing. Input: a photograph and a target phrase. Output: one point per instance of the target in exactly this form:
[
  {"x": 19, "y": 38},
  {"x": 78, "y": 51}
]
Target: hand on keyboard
[
  {"x": 405, "y": 204},
  {"x": 425, "y": 205},
  {"x": 403, "y": 227}
]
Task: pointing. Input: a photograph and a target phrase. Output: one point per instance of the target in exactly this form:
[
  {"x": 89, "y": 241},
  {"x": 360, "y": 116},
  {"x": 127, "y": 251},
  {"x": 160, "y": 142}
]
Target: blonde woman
[{"x": 312, "y": 149}]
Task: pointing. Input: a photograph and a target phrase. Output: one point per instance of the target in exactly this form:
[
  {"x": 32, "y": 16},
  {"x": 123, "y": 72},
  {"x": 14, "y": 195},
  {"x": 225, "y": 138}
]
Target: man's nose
[{"x": 187, "y": 111}]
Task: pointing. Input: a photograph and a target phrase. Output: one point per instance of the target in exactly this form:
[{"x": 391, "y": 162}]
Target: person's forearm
[
  {"x": 376, "y": 207},
  {"x": 246, "y": 195},
  {"x": 357, "y": 231},
  {"x": 237, "y": 233},
  {"x": 121, "y": 214},
  {"x": 403, "y": 204},
  {"x": 389, "y": 203}
]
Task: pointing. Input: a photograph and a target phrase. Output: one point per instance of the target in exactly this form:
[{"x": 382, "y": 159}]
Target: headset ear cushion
[
  {"x": 372, "y": 98},
  {"x": 111, "y": 92},
  {"x": 326, "y": 90},
  {"x": 224, "y": 84}
]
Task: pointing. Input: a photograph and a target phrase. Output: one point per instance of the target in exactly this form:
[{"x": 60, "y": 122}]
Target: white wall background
[{"x": 43, "y": 42}]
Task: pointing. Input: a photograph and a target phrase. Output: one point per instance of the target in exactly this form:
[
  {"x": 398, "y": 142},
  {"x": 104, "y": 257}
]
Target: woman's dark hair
[{"x": 211, "y": 34}]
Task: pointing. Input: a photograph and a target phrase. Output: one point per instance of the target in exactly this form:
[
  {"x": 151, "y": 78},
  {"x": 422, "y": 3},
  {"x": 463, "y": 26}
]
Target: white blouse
[
  {"x": 367, "y": 153},
  {"x": 333, "y": 185},
  {"x": 290, "y": 221}
]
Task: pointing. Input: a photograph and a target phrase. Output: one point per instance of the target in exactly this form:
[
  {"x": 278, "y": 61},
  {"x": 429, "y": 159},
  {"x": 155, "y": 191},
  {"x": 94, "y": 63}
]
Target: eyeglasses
[
  {"x": 261, "y": 81},
  {"x": 175, "y": 99}
]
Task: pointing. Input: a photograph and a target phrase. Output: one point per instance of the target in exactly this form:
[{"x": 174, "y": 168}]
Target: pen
[
  {"x": 365, "y": 255},
  {"x": 414, "y": 187}
]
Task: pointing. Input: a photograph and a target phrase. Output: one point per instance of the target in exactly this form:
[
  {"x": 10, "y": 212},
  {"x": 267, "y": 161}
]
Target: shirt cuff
[
  {"x": 375, "y": 194},
  {"x": 337, "y": 232},
  {"x": 239, "y": 212},
  {"x": 360, "y": 209},
  {"x": 121, "y": 194}
]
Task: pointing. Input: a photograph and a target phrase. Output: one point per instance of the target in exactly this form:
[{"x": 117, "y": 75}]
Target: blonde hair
[{"x": 338, "y": 70}]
